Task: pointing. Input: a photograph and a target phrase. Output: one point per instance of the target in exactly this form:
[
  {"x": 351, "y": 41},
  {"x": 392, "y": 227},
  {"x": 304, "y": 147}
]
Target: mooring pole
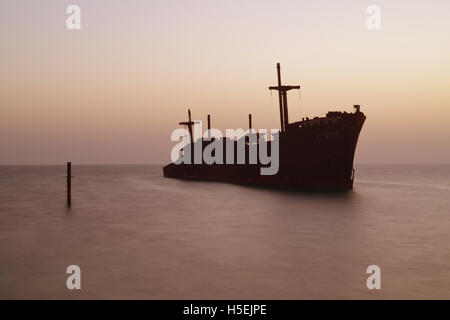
[{"x": 69, "y": 183}]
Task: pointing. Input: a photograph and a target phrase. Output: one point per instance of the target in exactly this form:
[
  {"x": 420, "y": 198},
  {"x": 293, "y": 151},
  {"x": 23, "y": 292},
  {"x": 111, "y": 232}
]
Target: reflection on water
[{"x": 136, "y": 234}]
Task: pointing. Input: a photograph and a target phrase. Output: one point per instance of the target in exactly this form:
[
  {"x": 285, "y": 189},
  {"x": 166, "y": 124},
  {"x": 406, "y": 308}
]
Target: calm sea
[{"x": 135, "y": 234}]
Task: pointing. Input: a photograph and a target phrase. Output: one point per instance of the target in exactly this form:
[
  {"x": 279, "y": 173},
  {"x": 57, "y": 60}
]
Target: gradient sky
[{"x": 113, "y": 91}]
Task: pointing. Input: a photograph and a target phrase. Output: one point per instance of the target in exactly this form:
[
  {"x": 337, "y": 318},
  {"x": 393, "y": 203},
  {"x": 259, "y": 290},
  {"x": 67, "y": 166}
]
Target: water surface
[{"x": 135, "y": 234}]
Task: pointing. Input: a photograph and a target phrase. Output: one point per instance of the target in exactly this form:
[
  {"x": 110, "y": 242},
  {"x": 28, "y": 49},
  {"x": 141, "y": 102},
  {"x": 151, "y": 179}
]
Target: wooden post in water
[{"x": 69, "y": 183}]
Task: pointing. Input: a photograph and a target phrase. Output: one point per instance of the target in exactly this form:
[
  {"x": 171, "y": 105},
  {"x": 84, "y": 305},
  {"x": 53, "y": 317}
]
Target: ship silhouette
[{"x": 314, "y": 154}]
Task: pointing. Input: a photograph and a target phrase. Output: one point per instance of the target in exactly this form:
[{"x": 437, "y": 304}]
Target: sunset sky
[{"x": 114, "y": 91}]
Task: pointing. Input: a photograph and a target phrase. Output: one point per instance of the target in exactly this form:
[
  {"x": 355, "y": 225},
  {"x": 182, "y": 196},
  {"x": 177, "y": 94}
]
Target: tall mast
[
  {"x": 209, "y": 126},
  {"x": 282, "y": 97},
  {"x": 189, "y": 124}
]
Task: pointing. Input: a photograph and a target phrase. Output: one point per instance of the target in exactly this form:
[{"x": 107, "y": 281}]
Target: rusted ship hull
[
  {"x": 246, "y": 175},
  {"x": 315, "y": 154}
]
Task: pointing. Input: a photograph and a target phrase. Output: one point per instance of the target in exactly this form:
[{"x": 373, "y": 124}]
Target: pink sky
[{"x": 113, "y": 91}]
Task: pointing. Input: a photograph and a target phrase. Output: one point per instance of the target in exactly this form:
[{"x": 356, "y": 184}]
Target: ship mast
[
  {"x": 282, "y": 100},
  {"x": 189, "y": 124}
]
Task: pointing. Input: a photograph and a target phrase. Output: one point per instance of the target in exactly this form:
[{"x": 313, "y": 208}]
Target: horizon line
[{"x": 163, "y": 164}]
